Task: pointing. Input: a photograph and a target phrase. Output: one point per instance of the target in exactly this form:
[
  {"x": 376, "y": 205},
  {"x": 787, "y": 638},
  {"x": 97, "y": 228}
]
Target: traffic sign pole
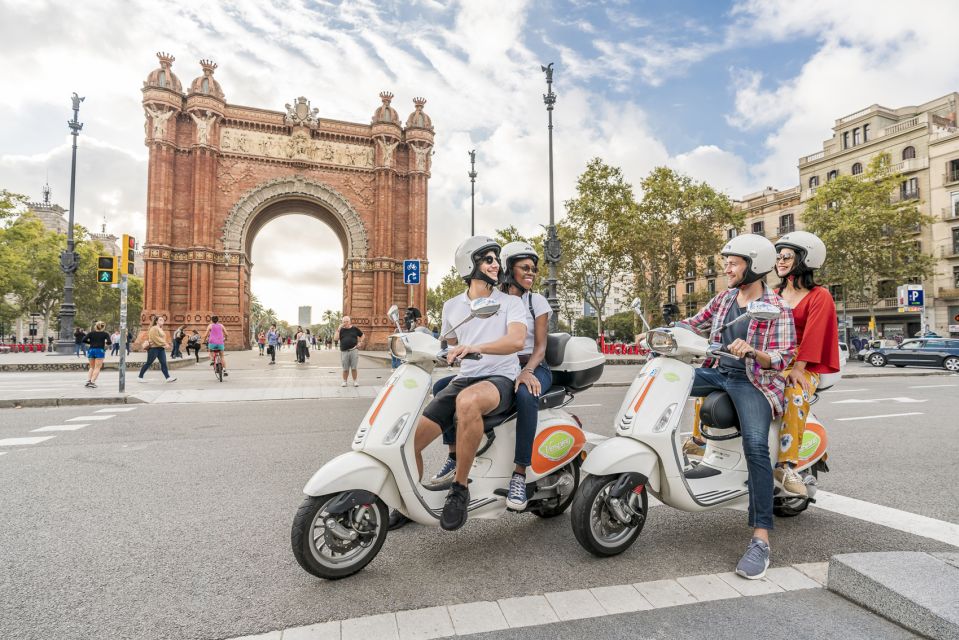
[{"x": 123, "y": 332}]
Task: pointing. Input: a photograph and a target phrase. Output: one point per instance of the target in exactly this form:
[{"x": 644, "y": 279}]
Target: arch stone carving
[{"x": 237, "y": 225}]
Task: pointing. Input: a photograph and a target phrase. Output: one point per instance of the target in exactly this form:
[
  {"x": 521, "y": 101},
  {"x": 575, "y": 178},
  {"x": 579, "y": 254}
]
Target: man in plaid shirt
[{"x": 753, "y": 379}]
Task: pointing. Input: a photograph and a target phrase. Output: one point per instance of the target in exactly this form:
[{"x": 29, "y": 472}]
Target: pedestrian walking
[
  {"x": 348, "y": 337},
  {"x": 273, "y": 343},
  {"x": 178, "y": 338},
  {"x": 129, "y": 340},
  {"x": 115, "y": 343},
  {"x": 301, "y": 349},
  {"x": 261, "y": 342},
  {"x": 98, "y": 339},
  {"x": 193, "y": 342},
  {"x": 155, "y": 345},
  {"x": 78, "y": 335}
]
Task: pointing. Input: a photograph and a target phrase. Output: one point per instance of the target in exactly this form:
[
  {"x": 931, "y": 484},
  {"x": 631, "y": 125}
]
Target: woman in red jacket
[{"x": 817, "y": 334}]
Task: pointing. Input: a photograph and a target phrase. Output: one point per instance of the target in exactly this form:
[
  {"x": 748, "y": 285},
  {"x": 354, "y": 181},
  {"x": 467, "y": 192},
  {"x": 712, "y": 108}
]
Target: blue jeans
[
  {"x": 755, "y": 414},
  {"x": 527, "y": 415},
  {"x": 155, "y": 353}
]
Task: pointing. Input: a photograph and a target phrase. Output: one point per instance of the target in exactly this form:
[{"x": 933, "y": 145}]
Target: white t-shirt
[
  {"x": 480, "y": 331},
  {"x": 540, "y": 306}
]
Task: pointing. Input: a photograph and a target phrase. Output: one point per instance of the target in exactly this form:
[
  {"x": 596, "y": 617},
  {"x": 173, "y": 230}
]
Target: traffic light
[
  {"x": 106, "y": 270},
  {"x": 128, "y": 245}
]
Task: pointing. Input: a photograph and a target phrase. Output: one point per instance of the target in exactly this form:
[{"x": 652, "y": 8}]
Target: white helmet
[
  {"x": 810, "y": 250},
  {"x": 468, "y": 254},
  {"x": 758, "y": 252},
  {"x": 512, "y": 252}
]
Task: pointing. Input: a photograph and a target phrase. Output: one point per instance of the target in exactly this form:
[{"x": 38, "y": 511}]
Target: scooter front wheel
[
  {"x": 604, "y": 528},
  {"x": 336, "y": 546}
]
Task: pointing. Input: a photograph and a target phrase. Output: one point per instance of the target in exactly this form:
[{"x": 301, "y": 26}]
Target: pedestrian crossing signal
[
  {"x": 106, "y": 270},
  {"x": 128, "y": 245}
]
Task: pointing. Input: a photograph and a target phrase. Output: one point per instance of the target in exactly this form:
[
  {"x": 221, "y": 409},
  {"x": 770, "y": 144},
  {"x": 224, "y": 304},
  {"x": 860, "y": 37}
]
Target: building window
[
  {"x": 813, "y": 182},
  {"x": 759, "y": 228},
  {"x": 691, "y": 271},
  {"x": 865, "y": 133},
  {"x": 711, "y": 266},
  {"x": 711, "y": 285},
  {"x": 832, "y": 175},
  {"x": 786, "y": 224},
  {"x": 955, "y": 240},
  {"x": 845, "y": 140},
  {"x": 955, "y": 277},
  {"x": 731, "y": 233},
  {"x": 952, "y": 171},
  {"x": 909, "y": 189},
  {"x": 908, "y": 153},
  {"x": 690, "y": 308},
  {"x": 856, "y": 136},
  {"x": 857, "y": 169},
  {"x": 955, "y": 204},
  {"x": 836, "y": 291},
  {"x": 887, "y": 289},
  {"x": 690, "y": 288},
  {"x": 671, "y": 293}
]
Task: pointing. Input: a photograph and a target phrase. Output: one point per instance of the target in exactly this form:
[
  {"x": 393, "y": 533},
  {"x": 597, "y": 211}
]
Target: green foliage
[
  {"x": 260, "y": 317},
  {"x": 586, "y": 326},
  {"x": 622, "y": 326},
  {"x": 10, "y": 203},
  {"x": 869, "y": 232},
  {"x": 677, "y": 221},
  {"x": 329, "y": 323},
  {"x": 450, "y": 286}
]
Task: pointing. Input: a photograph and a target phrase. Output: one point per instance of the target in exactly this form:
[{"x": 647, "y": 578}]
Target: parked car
[
  {"x": 878, "y": 343},
  {"x": 922, "y": 352}
]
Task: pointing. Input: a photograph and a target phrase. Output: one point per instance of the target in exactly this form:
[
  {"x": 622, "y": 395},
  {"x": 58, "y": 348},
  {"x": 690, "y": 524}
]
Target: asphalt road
[{"x": 173, "y": 521}]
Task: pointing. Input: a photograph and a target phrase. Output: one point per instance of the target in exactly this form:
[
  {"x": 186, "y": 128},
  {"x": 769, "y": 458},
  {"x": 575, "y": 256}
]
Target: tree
[
  {"x": 450, "y": 286},
  {"x": 868, "y": 228},
  {"x": 677, "y": 221},
  {"x": 329, "y": 323},
  {"x": 10, "y": 203},
  {"x": 595, "y": 249}
]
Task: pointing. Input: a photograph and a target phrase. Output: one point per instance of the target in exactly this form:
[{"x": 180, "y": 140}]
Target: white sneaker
[
  {"x": 171, "y": 379},
  {"x": 355, "y": 383},
  {"x": 139, "y": 379},
  {"x": 344, "y": 384}
]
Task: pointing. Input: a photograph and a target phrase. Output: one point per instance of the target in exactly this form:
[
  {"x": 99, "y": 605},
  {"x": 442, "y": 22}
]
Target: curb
[
  {"x": 82, "y": 365},
  {"x": 30, "y": 403},
  {"x": 913, "y": 589}
]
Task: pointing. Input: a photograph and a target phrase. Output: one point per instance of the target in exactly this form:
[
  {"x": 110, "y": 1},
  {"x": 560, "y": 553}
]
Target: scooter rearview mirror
[
  {"x": 759, "y": 310},
  {"x": 483, "y": 308},
  {"x": 393, "y": 314}
]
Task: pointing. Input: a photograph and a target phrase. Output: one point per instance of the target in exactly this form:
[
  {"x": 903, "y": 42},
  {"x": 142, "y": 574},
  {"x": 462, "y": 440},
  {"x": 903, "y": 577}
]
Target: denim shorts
[
  {"x": 95, "y": 353},
  {"x": 215, "y": 347}
]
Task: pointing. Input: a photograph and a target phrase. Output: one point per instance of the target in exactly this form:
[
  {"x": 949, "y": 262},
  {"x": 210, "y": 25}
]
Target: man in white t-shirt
[{"x": 482, "y": 387}]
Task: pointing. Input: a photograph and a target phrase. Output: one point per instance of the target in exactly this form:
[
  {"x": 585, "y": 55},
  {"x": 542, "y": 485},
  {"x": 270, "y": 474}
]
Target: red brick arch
[{"x": 219, "y": 172}]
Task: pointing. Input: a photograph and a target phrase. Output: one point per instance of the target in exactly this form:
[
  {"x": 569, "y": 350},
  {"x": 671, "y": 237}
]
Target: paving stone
[
  {"x": 576, "y": 604},
  {"x": 476, "y": 617},
  {"x": 423, "y": 624},
  {"x": 664, "y": 593},
  {"x": 749, "y": 587},
  {"x": 321, "y": 631},
  {"x": 790, "y": 579},
  {"x": 381, "y": 627},
  {"x": 707, "y": 587},
  {"x": 815, "y": 570},
  {"x": 621, "y": 599},
  {"x": 527, "y": 611}
]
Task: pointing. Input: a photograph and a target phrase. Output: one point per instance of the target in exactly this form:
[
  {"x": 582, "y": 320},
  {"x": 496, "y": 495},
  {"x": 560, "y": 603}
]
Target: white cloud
[{"x": 723, "y": 170}]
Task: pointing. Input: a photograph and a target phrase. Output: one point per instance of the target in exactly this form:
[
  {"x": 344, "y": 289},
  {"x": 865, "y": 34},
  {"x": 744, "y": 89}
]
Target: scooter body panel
[
  {"x": 623, "y": 455},
  {"x": 355, "y": 470}
]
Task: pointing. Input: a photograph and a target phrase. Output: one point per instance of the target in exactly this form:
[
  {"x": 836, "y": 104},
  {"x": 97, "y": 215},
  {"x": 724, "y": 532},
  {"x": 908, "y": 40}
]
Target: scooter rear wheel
[
  {"x": 596, "y": 527},
  {"x": 322, "y": 553}
]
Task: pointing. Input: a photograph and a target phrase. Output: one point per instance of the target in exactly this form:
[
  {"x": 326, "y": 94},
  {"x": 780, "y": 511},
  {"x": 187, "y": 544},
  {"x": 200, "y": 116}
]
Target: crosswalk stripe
[
  {"x": 81, "y": 418},
  {"x": 59, "y": 427},
  {"x": 884, "y": 415},
  {"x": 114, "y": 409},
  {"x": 888, "y": 517},
  {"x": 16, "y": 442}
]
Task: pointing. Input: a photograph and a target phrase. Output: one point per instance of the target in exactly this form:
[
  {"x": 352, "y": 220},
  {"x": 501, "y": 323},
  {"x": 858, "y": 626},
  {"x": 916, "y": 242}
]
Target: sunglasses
[
  {"x": 488, "y": 259},
  {"x": 525, "y": 268},
  {"x": 785, "y": 257}
]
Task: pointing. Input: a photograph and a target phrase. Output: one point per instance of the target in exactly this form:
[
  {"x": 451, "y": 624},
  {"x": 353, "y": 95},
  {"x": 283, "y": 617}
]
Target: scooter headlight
[
  {"x": 661, "y": 342},
  {"x": 397, "y": 347},
  {"x": 394, "y": 433}
]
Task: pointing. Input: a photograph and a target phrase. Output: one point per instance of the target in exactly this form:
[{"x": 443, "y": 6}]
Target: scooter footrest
[
  {"x": 445, "y": 486},
  {"x": 501, "y": 492}
]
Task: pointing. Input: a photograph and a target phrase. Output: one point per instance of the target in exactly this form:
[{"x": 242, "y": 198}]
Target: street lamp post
[
  {"x": 472, "y": 175},
  {"x": 552, "y": 246},
  {"x": 68, "y": 258}
]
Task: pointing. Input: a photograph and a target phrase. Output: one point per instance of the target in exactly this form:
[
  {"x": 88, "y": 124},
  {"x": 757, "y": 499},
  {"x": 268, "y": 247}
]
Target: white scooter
[
  {"x": 343, "y": 522},
  {"x": 645, "y": 457}
]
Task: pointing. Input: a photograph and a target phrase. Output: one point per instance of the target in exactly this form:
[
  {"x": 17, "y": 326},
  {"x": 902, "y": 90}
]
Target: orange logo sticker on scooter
[
  {"x": 555, "y": 445},
  {"x": 813, "y": 443}
]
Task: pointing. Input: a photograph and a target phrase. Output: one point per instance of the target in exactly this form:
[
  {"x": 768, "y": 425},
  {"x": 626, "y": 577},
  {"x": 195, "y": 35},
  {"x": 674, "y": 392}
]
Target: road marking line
[
  {"x": 3, "y": 453},
  {"x": 13, "y": 442},
  {"x": 114, "y": 409},
  {"x": 900, "y": 399},
  {"x": 885, "y": 415},
  {"x": 888, "y": 517},
  {"x": 934, "y": 386},
  {"x": 579, "y": 406},
  {"x": 832, "y": 391},
  {"x": 59, "y": 427},
  {"x": 538, "y": 610},
  {"x": 79, "y": 418}
]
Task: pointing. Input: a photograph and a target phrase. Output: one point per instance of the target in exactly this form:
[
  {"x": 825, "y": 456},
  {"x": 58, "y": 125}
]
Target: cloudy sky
[{"x": 728, "y": 92}]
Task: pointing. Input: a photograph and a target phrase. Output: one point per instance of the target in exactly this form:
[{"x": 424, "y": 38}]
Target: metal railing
[
  {"x": 951, "y": 213},
  {"x": 784, "y": 229},
  {"x": 950, "y": 176}
]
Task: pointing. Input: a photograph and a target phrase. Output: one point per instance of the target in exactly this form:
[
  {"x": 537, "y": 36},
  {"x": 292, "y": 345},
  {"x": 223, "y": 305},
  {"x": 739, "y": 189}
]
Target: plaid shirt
[{"x": 776, "y": 337}]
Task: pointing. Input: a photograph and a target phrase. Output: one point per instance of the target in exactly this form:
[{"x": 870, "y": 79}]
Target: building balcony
[
  {"x": 922, "y": 120},
  {"x": 902, "y": 196},
  {"x": 784, "y": 229},
  {"x": 949, "y": 294},
  {"x": 949, "y": 252},
  {"x": 950, "y": 214},
  {"x": 884, "y": 304},
  {"x": 950, "y": 177}
]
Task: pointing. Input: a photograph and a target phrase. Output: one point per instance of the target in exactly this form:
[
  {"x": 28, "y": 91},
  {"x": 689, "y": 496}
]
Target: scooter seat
[
  {"x": 552, "y": 398},
  {"x": 719, "y": 412}
]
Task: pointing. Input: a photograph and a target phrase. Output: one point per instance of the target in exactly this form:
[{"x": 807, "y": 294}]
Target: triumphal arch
[{"x": 219, "y": 172}]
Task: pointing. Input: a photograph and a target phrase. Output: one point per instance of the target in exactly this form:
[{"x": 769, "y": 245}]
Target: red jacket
[{"x": 817, "y": 332}]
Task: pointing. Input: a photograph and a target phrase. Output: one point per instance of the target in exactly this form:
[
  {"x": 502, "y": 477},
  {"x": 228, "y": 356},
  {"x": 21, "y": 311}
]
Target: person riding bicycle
[
  {"x": 215, "y": 339},
  {"x": 482, "y": 387},
  {"x": 817, "y": 337},
  {"x": 753, "y": 378}
]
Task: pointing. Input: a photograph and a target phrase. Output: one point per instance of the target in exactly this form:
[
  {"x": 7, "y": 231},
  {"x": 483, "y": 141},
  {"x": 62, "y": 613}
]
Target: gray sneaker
[{"x": 755, "y": 561}]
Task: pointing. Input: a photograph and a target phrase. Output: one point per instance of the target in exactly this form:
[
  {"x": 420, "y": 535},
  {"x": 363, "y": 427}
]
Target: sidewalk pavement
[{"x": 251, "y": 378}]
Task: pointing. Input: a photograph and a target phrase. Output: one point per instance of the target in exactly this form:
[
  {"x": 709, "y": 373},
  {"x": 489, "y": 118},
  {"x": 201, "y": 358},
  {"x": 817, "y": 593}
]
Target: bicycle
[{"x": 216, "y": 356}]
